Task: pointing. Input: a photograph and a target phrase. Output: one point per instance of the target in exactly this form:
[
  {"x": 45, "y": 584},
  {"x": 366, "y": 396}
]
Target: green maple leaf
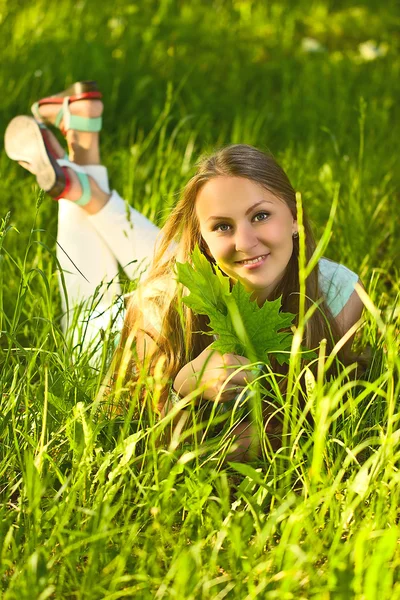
[
  {"x": 207, "y": 289},
  {"x": 239, "y": 324},
  {"x": 268, "y": 329}
]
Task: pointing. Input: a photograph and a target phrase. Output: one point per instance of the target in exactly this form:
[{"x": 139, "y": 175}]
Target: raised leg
[
  {"x": 89, "y": 271},
  {"x": 128, "y": 234},
  {"x": 92, "y": 236}
]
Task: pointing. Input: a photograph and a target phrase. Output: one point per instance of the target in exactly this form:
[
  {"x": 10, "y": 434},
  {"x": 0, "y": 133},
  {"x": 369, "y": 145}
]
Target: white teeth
[{"x": 252, "y": 262}]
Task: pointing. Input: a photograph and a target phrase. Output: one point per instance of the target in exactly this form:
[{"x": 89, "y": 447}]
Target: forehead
[{"x": 231, "y": 197}]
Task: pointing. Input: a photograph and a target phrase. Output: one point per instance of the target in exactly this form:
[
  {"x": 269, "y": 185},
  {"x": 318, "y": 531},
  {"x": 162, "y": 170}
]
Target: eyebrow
[{"x": 247, "y": 211}]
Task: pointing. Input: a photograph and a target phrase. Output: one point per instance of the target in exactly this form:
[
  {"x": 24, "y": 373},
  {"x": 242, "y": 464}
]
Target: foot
[
  {"x": 73, "y": 190},
  {"x": 35, "y": 148},
  {"x": 90, "y": 109},
  {"x": 83, "y": 146},
  {"x": 78, "y": 107},
  {"x": 98, "y": 198},
  {"x": 77, "y": 113}
]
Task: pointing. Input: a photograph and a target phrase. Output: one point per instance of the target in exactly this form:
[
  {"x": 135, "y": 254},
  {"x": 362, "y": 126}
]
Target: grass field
[{"x": 93, "y": 507}]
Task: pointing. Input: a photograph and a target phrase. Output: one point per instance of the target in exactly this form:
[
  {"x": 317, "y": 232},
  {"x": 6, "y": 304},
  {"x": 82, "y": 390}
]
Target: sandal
[
  {"x": 81, "y": 90},
  {"x": 26, "y": 141}
]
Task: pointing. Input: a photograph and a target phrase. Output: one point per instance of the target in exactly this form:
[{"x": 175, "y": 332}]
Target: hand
[{"x": 218, "y": 376}]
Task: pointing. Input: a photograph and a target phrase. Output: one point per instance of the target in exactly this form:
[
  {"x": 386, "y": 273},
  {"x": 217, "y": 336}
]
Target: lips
[{"x": 252, "y": 261}]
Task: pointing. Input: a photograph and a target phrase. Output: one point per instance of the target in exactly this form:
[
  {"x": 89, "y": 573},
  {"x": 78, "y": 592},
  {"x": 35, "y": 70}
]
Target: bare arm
[{"x": 214, "y": 374}]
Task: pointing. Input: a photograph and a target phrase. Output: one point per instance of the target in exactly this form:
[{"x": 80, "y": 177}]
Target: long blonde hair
[{"x": 180, "y": 338}]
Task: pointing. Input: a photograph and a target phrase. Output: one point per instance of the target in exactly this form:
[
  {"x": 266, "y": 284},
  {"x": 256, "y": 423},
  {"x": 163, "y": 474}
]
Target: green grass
[{"x": 95, "y": 507}]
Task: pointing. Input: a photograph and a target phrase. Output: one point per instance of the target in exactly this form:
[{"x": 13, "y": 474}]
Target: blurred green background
[{"x": 317, "y": 83}]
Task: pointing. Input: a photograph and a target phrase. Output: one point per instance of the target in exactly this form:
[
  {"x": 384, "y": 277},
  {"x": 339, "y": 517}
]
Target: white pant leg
[
  {"x": 89, "y": 270},
  {"x": 95, "y": 243},
  {"x": 129, "y": 235},
  {"x": 86, "y": 260},
  {"x": 88, "y": 249}
]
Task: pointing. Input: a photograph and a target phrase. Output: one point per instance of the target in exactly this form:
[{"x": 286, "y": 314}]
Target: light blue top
[{"x": 336, "y": 283}]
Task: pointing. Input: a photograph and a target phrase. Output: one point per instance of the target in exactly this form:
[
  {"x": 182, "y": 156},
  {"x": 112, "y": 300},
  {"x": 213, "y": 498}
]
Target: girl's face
[{"x": 248, "y": 231}]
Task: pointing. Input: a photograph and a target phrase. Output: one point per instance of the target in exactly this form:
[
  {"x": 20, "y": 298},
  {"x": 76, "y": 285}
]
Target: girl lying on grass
[{"x": 239, "y": 208}]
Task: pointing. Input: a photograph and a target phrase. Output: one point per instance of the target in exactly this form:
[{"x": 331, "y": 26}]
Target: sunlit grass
[{"x": 95, "y": 503}]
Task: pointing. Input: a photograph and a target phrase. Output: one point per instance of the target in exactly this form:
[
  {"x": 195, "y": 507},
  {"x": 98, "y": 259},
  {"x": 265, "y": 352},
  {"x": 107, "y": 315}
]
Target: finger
[
  {"x": 241, "y": 360},
  {"x": 232, "y": 360},
  {"x": 242, "y": 378}
]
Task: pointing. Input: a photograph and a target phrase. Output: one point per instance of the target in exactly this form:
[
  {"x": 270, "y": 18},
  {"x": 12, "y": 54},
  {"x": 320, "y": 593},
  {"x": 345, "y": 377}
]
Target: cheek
[
  {"x": 223, "y": 249},
  {"x": 218, "y": 246},
  {"x": 280, "y": 235}
]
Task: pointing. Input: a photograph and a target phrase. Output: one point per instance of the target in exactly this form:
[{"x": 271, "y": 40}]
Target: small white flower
[
  {"x": 370, "y": 50},
  {"x": 309, "y": 44},
  {"x": 115, "y": 22},
  {"x": 38, "y": 73}
]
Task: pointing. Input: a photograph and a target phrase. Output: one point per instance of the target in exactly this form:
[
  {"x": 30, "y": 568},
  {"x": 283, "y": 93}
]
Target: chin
[
  {"x": 256, "y": 281},
  {"x": 251, "y": 286}
]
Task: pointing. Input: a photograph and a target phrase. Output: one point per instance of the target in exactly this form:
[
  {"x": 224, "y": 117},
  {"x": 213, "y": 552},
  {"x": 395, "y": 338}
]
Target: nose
[{"x": 245, "y": 238}]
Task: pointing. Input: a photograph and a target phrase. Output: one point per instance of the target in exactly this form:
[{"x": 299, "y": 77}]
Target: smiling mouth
[{"x": 252, "y": 261}]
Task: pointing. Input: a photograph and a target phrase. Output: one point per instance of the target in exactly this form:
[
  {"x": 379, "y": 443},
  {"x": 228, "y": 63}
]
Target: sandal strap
[
  {"x": 35, "y": 111},
  {"x": 67, "y": 186},
  {"x": 90, "y": 124},
  {"x": 83, "y": 180},
  {"x": 86, "y": 191},
  {"x": 59, "y": 117}
]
